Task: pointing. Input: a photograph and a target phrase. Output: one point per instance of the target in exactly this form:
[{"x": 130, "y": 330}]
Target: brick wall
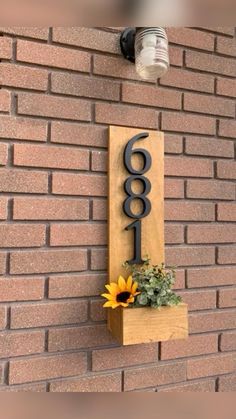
[{"x": 60, "y": 89}]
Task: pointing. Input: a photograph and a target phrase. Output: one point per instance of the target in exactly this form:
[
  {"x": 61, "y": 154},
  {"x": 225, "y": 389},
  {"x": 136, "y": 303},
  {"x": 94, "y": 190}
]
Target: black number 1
[{"x": 136, "y": 225}]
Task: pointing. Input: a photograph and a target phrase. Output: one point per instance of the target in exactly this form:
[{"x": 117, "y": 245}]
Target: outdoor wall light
[{"x": 148, "y": 49}]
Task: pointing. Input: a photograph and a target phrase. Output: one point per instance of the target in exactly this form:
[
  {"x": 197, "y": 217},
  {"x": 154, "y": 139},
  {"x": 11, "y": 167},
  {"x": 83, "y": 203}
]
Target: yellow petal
[
  {"x": 109, "y": 297},
  {"x": 122, "y": 283},
  {"x": 115, "y": 305},
  {"x": 112, "y": 288},
  {"x": 134, "y": 287},
  {"x": 130, "y": 300},
  {"x": 129, "y": 283},
  {"x": 124, "y": 304},
  {"x": 108, "y": 304}
]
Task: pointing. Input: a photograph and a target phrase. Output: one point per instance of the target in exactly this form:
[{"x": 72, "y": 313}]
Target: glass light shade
[{"x": 151, "y": 53}]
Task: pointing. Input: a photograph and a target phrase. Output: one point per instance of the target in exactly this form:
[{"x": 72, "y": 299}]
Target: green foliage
[{"x": 154, "y": 284}]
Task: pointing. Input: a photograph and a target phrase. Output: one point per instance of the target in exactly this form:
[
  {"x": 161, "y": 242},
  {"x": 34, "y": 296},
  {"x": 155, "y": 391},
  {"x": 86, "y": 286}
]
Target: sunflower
[{"x": 121, "y": 293}]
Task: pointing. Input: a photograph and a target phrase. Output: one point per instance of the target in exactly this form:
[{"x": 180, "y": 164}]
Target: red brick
[
  {"x": 226, "y": 254},
  {"x": 173, "y": 144},
  {"x": 188, "y": 167},
  {"x": 114, "y": 67},
  {"x": 21, "y": 289},
  {"x": 78, "y": 234},
  {"x": 200, "y": 300},
  {"x": 207, "y": 233},
  {"x": 228, "y": 341},
  {"x": 226, "y": 46},
  {"x": 209, "y": 366},
  {"x": 198, "y": 387},
  {"x": 212, "y": 321},
  {"x": 5, "y": 101},
  {"x": 226, "y": 169},
  {"x": 226, "y": 87},
  {"x": 99, "y": 161},
  {"x": 98, "y": 259},
  {"x": 53, "y": 56},
  {"x": 29, "y": 32},
  {"x": 188, "y": 123},
  {"x": 180, "y": 279},
  {"x": 23, "y": 77},
  {"x": 48, "y": 314},
  {"x": 54, "y": 107},
  {"x": 154, "y": 376},
  {"x": 209, "y": 147},
  {"x": 3, "y": 154},
  {"x": 174, "y": 234},
  {"x": 226, "y": 212},
  {"x": 151, "y": 96},
  {"x": 227, "y": 384},
  {"x": 99, "y": 209},
  {"x": 2, "y": 263},
  {"x": 108, "y": 359},
  {"x": 23, "y": 181},
  {"x": 227, "y": 129},
  {"x": 102, "y": 383},
  {"x": 189, "y": 211},
  {"x": 36, "y": 388},
  {"x": 209, "y": 105},
  {"x": 78, "y": 184},
  {"x": 97, "y": 312},
  {"x": 51, "y": 157},
  {"x": 3, "y": 317},
  {"x": 5, "y": 48},
  {"x": 3, "y": 208},
  {"x": 22, "y": 129},
  {"x": 191, "y": 38},
  {"x": 174, "y": 188},
  {"x": 227, "y": 298},
  {"x": 193, "y": 346},
  {"x": 75, "y": 85},
  {"x": 48, "y": 261},
  {"x": 176, "y": 77},
  {"x": 22, "y": 235},
  {"x": 211, "y": 277},
  {"x": 210, "y": 63},
  {"x": 89, "y": 38},
  {"x": 50, "y": 209},
  {"x": 46, "y": 367},
  {"x": 76, "y": 285},
  {"x": 176, "y": 56},
  {"x": 187, "y": 256},
  {"x": 23, "y": 343},
  {"x": 210, "y": 189},
  {"x": 126, "y": 115},
  {"x": 65, "y": 339},
  {"x": 2, "y": 367},
  {"x": 79, "y": 134},
  {"x": 221, "y": 29}
]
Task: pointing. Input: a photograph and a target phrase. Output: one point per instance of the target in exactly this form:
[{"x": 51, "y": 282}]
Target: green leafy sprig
[{"x": 154, "y": 284}]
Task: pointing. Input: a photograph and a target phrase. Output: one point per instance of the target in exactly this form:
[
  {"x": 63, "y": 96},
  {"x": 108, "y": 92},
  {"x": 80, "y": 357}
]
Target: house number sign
[
  {"x": 137, "y": 175},
  {"x": 136, "y": 198}
]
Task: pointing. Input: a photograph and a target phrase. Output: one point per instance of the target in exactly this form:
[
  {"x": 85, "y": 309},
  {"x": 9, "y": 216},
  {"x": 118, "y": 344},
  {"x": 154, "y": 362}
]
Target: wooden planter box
[{"x": 131, "y": 326}]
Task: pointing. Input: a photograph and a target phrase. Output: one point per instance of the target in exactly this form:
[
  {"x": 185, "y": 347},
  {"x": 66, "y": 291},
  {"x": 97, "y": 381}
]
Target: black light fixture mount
[
  {"x": 147, "y": 48},
  {"x": 127, "y": 41}
]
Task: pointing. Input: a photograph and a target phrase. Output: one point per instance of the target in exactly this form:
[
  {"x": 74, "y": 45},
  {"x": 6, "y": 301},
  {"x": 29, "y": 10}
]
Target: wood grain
[
  {"x": 132, "y": 326},
  {"x": 120, "y": 240}
]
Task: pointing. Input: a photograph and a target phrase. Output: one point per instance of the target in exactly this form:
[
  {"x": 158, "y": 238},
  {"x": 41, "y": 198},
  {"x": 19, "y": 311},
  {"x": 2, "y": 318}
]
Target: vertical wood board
[{"x": 120, "y": 240}]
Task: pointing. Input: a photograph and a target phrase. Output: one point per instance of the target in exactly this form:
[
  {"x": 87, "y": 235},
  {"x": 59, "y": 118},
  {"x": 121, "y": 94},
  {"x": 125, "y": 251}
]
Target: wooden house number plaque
[{"x": 136, "y": 198}]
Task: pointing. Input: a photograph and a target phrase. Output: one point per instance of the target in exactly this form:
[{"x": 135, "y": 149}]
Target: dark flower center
[{"x": 123, "y": 297}]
